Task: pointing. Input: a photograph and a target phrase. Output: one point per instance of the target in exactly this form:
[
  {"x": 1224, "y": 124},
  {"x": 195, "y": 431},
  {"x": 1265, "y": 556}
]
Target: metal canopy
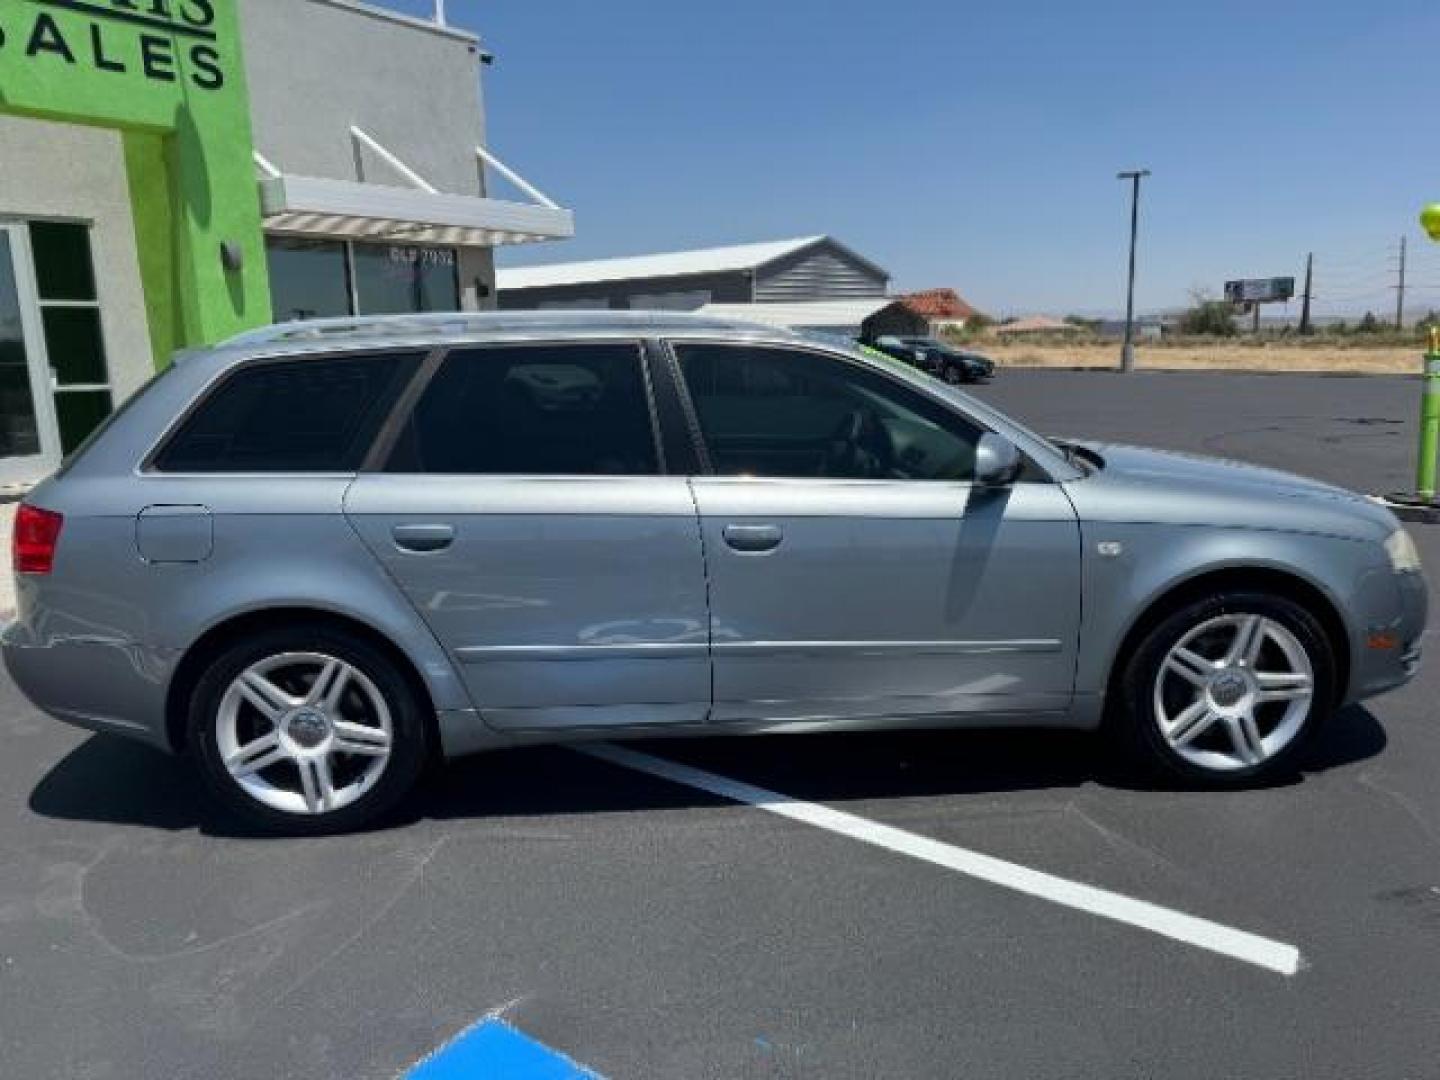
[{"x": 419, "y": 214}]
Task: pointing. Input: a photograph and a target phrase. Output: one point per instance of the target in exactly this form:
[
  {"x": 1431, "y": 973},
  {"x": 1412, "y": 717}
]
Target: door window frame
[
  {"x": 378, "y": 460},
  {"x": 1034, "y": 471},
  {"x": 19, "y": 469}
]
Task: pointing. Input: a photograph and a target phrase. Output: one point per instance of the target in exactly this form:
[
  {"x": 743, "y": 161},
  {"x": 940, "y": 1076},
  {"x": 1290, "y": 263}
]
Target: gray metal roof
[{"x": 666, "y": 264}]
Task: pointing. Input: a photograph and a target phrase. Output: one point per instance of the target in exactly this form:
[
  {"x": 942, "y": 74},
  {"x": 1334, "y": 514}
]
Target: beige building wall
[{"x": 73, "y": 173}]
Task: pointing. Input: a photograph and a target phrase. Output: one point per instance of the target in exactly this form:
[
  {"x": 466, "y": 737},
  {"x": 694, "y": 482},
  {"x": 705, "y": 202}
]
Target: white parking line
[{"x": 1241, "y": 945}]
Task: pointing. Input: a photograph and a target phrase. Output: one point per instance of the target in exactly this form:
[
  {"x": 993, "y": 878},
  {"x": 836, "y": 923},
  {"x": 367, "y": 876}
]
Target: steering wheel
[{"x": 858, "y": 448}]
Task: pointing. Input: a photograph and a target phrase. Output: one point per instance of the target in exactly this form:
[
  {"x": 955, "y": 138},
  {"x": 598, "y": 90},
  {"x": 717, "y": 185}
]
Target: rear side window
[
  {"x": 301, "y": 415},
  {"x": 557, "y": 410}
]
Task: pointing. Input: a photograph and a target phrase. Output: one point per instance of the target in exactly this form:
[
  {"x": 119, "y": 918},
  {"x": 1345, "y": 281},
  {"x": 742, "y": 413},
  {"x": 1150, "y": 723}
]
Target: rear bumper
[{"x": 92, "y": 682}]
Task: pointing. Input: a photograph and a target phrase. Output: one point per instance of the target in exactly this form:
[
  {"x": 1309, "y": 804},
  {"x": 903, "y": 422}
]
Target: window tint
[
  {"x": 551, "y": 410},
  {"x": 782, "y": 412},
  {"x": 303, "y": 415}
]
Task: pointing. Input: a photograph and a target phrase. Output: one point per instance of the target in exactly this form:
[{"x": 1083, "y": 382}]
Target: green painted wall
[{"x": 168, "y": 74}]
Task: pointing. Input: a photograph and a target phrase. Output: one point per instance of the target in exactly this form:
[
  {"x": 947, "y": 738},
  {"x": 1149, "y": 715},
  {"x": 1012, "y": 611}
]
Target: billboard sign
[{"x": 1260, "y": 290}]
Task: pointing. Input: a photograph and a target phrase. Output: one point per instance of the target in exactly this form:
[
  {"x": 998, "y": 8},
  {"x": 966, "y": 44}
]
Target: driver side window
[{"x": 775, "y": 412}]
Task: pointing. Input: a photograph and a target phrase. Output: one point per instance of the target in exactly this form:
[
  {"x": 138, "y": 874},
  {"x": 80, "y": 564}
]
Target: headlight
[{"x": 1404, "y": 556}]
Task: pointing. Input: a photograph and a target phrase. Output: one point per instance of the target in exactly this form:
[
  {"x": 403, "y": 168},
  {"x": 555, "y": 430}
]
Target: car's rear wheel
[
  {"x": 953, "y": 374},
  {"x": 1225, "y": 691},
  {"x": 306, "y": 730}
]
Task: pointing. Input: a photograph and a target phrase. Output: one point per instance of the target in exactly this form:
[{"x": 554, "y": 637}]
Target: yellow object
[{"x": 1430, "y": 221}]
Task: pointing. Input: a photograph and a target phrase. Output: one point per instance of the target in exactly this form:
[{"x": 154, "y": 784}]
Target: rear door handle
[
  {"x": 423, "y": 538},
  {"x": 753, "y": 538}
]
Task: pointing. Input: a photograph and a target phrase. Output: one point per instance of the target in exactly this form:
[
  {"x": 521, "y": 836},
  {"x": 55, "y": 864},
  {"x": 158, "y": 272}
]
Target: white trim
[
  {"x": 70, "y": 304},
  {"x": 515, "y": 178},
  {"x": 265, "y": 165},
  {"x": 37, "y": 361},
  {"x": 410, "y": 21},
  {"x": 390, "y": 159}
]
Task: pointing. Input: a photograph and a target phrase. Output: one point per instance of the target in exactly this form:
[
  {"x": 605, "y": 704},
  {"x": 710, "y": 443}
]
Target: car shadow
[{"x": 112, "y": 780}]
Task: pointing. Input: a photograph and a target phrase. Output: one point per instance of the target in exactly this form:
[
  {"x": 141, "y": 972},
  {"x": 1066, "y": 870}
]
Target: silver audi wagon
[{"x": 318, "y": 555}]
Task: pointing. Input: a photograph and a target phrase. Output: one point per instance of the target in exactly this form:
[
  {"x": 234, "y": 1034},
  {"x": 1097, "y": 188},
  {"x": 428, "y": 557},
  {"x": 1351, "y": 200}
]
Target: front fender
[{"x": 1154, "y": 561}]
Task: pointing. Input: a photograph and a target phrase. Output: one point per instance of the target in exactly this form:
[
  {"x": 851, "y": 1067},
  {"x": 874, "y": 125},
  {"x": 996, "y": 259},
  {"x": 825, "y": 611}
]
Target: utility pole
[
  {"x": 440, "y": 12},
  {"x": 1400, "y": 291},
  {"x": 1127, "y": 351},
  {"x": 1309, "y": 283}
]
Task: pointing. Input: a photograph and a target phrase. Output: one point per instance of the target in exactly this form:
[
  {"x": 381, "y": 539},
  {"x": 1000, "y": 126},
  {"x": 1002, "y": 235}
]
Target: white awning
[{"x": 357, "y": 210}]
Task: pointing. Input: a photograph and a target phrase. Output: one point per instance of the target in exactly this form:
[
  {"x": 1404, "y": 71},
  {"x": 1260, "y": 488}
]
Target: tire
[
  {"x": 953, "y": 374},
  {"x": 1200, "y": 701},
  {"x": 324, "y": 735}
]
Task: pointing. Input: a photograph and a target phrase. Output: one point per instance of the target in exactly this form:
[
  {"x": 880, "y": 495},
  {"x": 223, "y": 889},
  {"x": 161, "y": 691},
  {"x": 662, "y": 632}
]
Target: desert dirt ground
[{"x": 1205, "y": 356}]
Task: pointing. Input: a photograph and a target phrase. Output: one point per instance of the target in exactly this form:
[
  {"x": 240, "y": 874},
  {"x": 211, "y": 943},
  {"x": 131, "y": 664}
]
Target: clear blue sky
[{"x": 975, "y": 145}]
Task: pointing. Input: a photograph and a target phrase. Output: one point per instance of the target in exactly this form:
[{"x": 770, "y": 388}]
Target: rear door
[{"x": 525, "y": 510}]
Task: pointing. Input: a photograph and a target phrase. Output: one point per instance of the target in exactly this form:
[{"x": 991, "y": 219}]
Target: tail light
[{"x": 36, "y": 535}]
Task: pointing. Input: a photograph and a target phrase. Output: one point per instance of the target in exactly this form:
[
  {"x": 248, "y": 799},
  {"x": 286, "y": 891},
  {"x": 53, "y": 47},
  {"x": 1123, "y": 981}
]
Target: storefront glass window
[
  {"x": 62, "y": 260},
  {"x": 80, "y": 412},
  {"x": 70, "y": 318},
  {"x": 308, "y": 278},
  {"x": 75, "y": 345},
  {"x": 398, "y": 278},
  {"x": 19, "y": 433}
]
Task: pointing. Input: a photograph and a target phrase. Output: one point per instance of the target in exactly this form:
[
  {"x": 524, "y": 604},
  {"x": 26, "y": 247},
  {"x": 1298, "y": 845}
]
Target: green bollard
[{"x": 1429, "y": 421}]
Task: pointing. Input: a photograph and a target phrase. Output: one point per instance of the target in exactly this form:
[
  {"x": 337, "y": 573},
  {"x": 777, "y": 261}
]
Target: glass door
[{"x": 29, "y": 441}]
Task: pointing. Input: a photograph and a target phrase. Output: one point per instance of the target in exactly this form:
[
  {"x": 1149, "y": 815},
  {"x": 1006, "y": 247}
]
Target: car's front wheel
[
  {"x": 953, "y": 374},
  {"x": 1225, "y": 691},
  {"x": 306, "y": 730}
]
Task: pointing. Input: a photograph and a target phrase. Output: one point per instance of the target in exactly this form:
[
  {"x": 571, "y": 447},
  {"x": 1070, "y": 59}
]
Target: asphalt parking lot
[{"x": 647, "y": 928}]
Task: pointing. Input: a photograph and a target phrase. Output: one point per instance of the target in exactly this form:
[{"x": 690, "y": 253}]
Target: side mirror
[{"x": 997, "y": 461}]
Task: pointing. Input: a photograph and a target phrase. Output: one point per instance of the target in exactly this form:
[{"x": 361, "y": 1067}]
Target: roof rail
[{"x": 452, "y": 323}]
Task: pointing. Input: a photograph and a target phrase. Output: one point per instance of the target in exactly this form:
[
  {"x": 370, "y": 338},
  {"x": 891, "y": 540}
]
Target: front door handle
[
  {"x": 753, "y": 538},
  {"x": 423, "y": 538}
]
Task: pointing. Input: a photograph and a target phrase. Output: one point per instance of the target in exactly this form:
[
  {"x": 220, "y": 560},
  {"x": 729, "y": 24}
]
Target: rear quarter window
[{"x": 305, "y": 414}]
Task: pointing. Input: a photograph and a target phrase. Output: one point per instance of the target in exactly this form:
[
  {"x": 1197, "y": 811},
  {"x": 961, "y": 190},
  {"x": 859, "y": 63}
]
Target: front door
[
  {"x": 29, "y": 443},
  {"x": 855, "y": 572},
  {"x": 524, "y": 511}
]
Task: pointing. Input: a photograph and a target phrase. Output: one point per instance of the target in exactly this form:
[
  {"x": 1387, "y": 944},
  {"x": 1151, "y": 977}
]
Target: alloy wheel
[
  {"x": 304, "y": 732},
  {"x": 1233, "y": 692}
]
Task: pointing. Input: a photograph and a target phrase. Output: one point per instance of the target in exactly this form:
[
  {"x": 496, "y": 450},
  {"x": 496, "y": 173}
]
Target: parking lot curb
[
  {"x": 1415, "y": 513},
  {"x": 1102, "y": 369}
]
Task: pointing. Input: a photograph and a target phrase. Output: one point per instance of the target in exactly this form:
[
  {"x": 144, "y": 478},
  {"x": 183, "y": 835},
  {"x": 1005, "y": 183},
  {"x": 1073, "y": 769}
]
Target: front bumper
[{"x": 1390, "y": 654}]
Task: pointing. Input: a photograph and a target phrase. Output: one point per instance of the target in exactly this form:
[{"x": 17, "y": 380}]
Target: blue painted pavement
[{"x": 493, "y": 1050}]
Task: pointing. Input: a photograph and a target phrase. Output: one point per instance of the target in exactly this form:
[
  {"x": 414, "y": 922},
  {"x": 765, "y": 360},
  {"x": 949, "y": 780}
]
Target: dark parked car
[{"x": 938, "y": 358}]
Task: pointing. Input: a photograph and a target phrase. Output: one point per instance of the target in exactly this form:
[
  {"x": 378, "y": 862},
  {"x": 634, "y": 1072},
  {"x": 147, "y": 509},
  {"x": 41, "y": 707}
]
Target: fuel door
[{"x": 175, "y": 534}]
